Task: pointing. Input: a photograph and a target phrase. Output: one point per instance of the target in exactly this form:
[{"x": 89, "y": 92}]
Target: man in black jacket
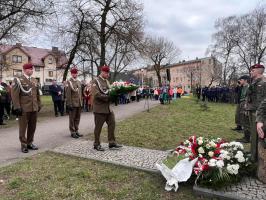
[{"x": 56, "y": 92}]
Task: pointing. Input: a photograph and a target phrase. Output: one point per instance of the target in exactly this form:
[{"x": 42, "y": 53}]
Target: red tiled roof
[{"x": 37, "y": 55}]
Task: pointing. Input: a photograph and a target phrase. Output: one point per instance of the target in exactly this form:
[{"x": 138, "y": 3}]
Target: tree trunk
[
  {"x": 103, "y": 35},
  {"x": 74, "y": 50}
]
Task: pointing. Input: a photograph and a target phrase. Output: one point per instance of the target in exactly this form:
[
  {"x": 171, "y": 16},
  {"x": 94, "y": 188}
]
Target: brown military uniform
[
  {"x": 102, "y": 110},
  {"x": 25, "y": 95},
  {"x": 74, "y": 102},
  {"x": 255, "y": 95},
  {"x": 261, "y": 117}
]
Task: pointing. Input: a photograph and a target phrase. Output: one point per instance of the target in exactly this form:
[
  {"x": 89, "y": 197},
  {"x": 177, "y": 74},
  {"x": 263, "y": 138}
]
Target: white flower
[
  {"x": 186, "y": 142},
  {"x": 201, "y": 150},
  {"x": 224, "y": 145},
  {"x": 211, "y": 153},
  {"x": 212, "y": 144},
  {"x": 200, "y": 138},
  {"x": 232, "y": 169},
  {"x": 212, "y": 163},
  {"x": 200, "y": 156},
  {"x": 241, "y": 160},
  {"x": 208, "y": 146},
  {"x": 220, "y": 163},
  {"x": 200, "y": 142},
  {"x": 240, "y": 156}
]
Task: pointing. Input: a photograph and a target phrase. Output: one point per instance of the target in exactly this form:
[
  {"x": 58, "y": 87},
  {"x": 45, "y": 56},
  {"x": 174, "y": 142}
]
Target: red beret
[
  {"x": 27, "y": 66},
  {"x": 105, "y": 68},
  {"x": 257, "y": 66},
  {"x": 74, "y": 70}
]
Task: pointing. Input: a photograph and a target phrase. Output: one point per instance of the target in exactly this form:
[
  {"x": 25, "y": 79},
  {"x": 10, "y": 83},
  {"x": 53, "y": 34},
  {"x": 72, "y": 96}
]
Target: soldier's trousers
[
  {"x": 99, "y": 119},
  {"x": 253, "y": 136},
  {"x": 237, "y": 115},
  {"x": 1, "y": 112},
  {"x": 27, "y": 122},
  {"x": 244, "y": 120},
  {"x": 261, "y": 173},
  {"x": 74, "y": 118}
]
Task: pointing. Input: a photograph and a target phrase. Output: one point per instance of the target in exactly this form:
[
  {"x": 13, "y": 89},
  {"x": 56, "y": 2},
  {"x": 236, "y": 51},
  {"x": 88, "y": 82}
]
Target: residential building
[
  {"x": 48, "y": 63},
  {"x": 186, "y": 74}
]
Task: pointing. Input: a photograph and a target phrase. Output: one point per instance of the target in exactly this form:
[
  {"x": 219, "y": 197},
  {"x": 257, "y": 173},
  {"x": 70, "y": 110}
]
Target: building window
[
  {"x": 50, "y": 60},
  {"x": 50, "y": 73},
  {"x": 16, "y": 59},
  {"x": 37, "y": 69},
  {"x": 17, "y": 73}
]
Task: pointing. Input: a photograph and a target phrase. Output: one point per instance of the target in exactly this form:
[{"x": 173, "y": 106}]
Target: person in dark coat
[{"x": 56, "y": 92}]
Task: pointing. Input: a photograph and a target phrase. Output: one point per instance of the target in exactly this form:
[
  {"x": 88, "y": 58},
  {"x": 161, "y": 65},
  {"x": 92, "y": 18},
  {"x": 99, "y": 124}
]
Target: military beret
[
  {"x": 257, "y": 66},
  {"x": 27, "y": 66},
  {"x": 105, "y": 68},
  {"x": 245, "y": 77},
  {"x": 74, "y": 70}
]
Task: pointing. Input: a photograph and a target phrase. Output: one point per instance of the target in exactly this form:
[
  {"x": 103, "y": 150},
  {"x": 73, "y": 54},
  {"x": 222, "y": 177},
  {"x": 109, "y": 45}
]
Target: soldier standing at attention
[
  {"x": 243, "y": 116},
  {"x": 26, "y": 101},
  {"x": 74, "y": 102},
  {"x": 256, "y": 93},
  {"x": 261, "y": 119},
  {"x": 102, "y": 110}
]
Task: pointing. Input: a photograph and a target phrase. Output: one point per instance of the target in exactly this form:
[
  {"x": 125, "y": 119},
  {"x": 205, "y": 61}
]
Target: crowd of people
[{"x": 217, "y": 94}]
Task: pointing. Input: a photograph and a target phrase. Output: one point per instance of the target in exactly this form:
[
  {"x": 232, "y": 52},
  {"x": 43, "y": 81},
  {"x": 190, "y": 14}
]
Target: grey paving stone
[{"x": 135, "y": 157}]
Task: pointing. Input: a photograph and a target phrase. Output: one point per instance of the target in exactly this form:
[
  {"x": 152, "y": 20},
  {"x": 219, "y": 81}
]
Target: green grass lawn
[
  {"x": 54, "y": 176},
  {"x": 46, "y": 111},
  {"x": 165, "y": 126}
]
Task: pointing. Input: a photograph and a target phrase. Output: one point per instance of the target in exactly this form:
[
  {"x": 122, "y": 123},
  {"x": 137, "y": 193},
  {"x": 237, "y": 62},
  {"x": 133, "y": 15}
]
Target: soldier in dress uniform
[
  {"x": 26, "y": 102},
  {"x": 102, "y": 110},
  {"x": 74, "y": 102},
  {"x": 261, "y": 120},
  {"x": 255, "y": 94}
]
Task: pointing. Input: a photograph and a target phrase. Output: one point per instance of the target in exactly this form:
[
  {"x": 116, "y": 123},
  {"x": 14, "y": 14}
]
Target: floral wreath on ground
[{"x": 219, "y": 163}]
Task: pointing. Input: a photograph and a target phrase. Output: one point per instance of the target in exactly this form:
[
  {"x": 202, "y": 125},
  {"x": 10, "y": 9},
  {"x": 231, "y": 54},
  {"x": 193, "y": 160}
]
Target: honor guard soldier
[
  {"x": 256, "y": 93},
  {"x": 74, "y": 102},
  {"x": 261, "y": 127},
  {"x": 102, "y": 110},
  {"x": 26, "y": 103}
]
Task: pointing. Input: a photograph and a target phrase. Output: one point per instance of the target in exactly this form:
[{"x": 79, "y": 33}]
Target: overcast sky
[{"x": 188, "y": 23}]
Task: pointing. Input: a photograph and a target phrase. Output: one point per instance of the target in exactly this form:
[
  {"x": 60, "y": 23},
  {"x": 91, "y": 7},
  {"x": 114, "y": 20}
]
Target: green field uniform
[{"x": 256, "y": 93}]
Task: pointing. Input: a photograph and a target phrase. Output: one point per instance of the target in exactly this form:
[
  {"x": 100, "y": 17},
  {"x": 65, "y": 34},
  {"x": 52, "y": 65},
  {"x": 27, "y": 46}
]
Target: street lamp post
[{"x": 142, "y": 70}]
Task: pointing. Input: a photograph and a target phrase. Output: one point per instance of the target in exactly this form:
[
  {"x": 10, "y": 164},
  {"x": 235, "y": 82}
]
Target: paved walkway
[
  {"x": 132, "y": 157},
  {"x": 247, "y": 189},
  {"x": 54, "y": 132}
]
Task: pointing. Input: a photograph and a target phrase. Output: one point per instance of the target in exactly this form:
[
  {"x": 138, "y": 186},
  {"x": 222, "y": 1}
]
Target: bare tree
[
  {"x": 17, "y": 15},
  {"x": 159, "y": 51},
  {"x": 240, "y": 42},
  {"x": 224, "y": 43},
  {"x": 94, "y": 29},
  {"x": 112, "y": 17}
]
